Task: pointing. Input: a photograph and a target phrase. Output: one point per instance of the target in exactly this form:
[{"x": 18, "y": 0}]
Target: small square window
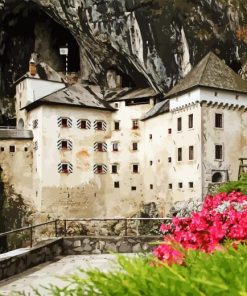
[
  {"x": 25, "y": 149},
  {"x": 114, "y": 146},
  {"x": 151, "y": 186},
  {"x": 2, "y": 149},
  {"x": 179, "y": 124},
  {"x": 100, "y": 147},
  {"x": 151, "y": 162},
  {"x": 64, "y": 144},
  {"x": 114, "y": 169},
  {"x": 64, "y": 122},
  {"x": 116, "y": 184},
  {"x": 190, "y": 121},
  {"x": 117, "y": 125},
  {"x": 170, "y": 185},
  {"x": 99, "y": 125},
  {"x": 169, "y": 159},
  {"x": 116, "y": 105},
  {"x": 150, "y": 136},
  {"x": 169, "y": 131},
  {"x": 215, "y": 93},
  {"x": 180, "y": 185},
  {"x": 191, "y": 185},
  {"x": 135, "y": 168},
  {"x": 11, "y": 148},
  {"x": 83, "y": 124},
  {"x": 179, "y": 154},
  {"x": 133, "y": 188},
  {"x": 135, "y": 146},
  {"x": 218, "y": 120},
  {"x": 65, "y": 168},
  {"x": 99, "y": 169},
  {"x": 135, "y": 124}
]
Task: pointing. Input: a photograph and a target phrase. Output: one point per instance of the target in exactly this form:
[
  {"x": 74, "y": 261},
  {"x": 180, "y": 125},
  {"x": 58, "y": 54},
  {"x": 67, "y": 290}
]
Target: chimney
[{"x": 32, "y": 67}]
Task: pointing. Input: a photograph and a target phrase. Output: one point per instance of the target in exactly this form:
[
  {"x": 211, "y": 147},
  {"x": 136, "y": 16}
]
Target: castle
[{"x": 79, "y": 151}]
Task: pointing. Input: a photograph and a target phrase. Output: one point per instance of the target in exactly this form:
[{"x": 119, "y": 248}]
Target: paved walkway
[{"x": 48, "y": 273}]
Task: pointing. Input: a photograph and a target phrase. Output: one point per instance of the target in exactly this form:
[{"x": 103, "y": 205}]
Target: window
[
  {"x": 180, "y": 185},
  {"x": 64, "y": 145},
  {"x": 11, "y": 148},
  {"x": 135, "y": 168},
  {"x": 218, "y": 120},
  {"x": 218, "y": 152},
  {"x": 133, "y": 188},
  {"x": 190, "y": 121},
  {"x": 151, "y": 162},
  {"x": 35, "y": 123},
  {"x": 170, "y": 186},
  {"x": 66, "y": 168},
  {"x": 179, "y": 154},
  {"x": 215, "y": 94},
  {"x": 237, "y": 97},
  {"x": 117, "y": 125},
  {"x": 135, "y": 124},
  {"x": 100, "y": 169},
  {"x": 99, "y": 125},
  {"x": 135, "y": 146},
  {"x": 100, "y": 147},
  {"x": 150, "y": 136},
  {"x": 83, "y": 124},
  {"x": 191, "y": 152},
  {"x": 25, "y": 149},
  {"x": 115, "y": 146},
  {"x": 114, "y": 169},
  {"x": 169, "y": 159},
  {"x": 191, "y": 184},
  {"x": 179, "y": 124},
  {"x": 169, "y": 131},
  {"x": 151, "y": 186},
  {"x": 116, "y": 184},
  {"x": 116, "y": 105},
  {"x": 2, "y": 149},
  {"x": 64, "y": 122}
]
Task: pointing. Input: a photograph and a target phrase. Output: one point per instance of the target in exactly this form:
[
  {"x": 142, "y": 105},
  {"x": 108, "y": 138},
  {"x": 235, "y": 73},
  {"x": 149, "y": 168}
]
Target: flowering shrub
[{"x": 222, "y": 217}]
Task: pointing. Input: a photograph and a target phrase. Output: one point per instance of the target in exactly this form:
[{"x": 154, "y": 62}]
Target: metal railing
[{"x": 61, "y": 227}]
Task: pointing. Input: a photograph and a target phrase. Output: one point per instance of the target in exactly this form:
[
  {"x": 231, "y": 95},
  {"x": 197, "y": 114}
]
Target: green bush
[
  {"x": 219, "y": 273},
  {"x": 240, "y": 185}
]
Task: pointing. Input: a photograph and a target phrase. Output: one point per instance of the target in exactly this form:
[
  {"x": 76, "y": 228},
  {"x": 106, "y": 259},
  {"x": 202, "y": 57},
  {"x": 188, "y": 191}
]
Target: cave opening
[{"x": 26, "y": 28}]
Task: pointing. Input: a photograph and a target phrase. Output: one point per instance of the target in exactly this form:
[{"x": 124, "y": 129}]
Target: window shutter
[
  {"x": 70, "y": 168},
  {"x": 104, "y": 147},
  {"x": 60, "y": 168},
  {"x": 104, "y": 125},
  {"x": 88, "y": 123},
  {"x": 59, "y": 121},
  {"x": 104, "y": 168},
  {"x": 69, "y": 122},
  {"x": 59, "y": 144},
  {"x": 95, "y": 146}
]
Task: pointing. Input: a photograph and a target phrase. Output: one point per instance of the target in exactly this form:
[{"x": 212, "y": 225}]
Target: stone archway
[
  {"x": 20, "y": 124},
  {"x": 217, "y": 177}
]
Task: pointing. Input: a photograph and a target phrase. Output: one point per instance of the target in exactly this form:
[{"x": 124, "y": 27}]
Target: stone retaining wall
[
  {"x": 100, "y": 245},
  {"x": 14, "y": 264}
]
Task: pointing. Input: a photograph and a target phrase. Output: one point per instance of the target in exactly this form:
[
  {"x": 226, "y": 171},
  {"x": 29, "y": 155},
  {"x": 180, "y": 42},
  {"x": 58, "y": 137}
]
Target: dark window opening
[
  {"x": 11, "y": 148},
  {"x": 170, "y": 185},
  {"x": 217, "y": 177},
  {"x": 116, "y": 105},
  {"x": 218, "y": 120},
  {"x": 65, "y": 168},
  {"x": 135, "y": 146},
  {"x": 135, "y": 124},
  {"x": 191, "y": 152},
  {"x": 135, "y": 168},
  {"x": 218, "y": 152},
  {"x": 180, "y": 185},
  {"x": 179, "y": 124},
  {"x": 64, "y": 144},
  {"x": 190, "y": 123},
  {"x": 133, "y": 188},
  {"x": 117, "y": 125},
  {"x": 100, "y": 147},
  {"x": 25, "y": 149},
  {"x": 99, "y": 125},
  {"x": 83, "y": 124},
  {"x": 2, "y": 149},
  {"x": 150, "y": 136},
  {"x": 115, "y": 147},
  {"x": 179, "y": 154},
  {"x": 116, "y": 184},
  {"x": 169, "y": 159},
  {"x": 151, "y": 186},
  {"x": 191, "y": 185},
  {"x": 169, "y": 131},
  {"x": 151, "y": 162},
  {"x": 114, "y": 169},
  {"x": 64, "y": 122},
  {"x": 99, "y": 169}
]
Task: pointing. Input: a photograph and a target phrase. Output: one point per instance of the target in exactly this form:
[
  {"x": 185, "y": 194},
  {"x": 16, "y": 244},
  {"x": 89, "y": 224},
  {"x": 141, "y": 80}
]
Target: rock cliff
[{"x": 151, "y": 42}]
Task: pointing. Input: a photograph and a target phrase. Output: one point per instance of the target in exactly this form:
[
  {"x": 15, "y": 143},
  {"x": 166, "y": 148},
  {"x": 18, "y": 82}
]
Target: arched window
[
  {"x": 20, "y": 125},
  {"x": 217, "y": 177}
]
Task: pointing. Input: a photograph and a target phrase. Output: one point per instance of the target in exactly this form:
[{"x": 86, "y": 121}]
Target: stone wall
[
  {"x": 14, "y": 264},
  {"x": 100, "y": 245}
]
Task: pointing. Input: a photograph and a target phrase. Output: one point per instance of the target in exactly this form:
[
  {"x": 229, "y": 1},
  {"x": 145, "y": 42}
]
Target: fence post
[
  {"x": 56, "y": 228},
  {"x": 65, "y": 228},
  {"x": 31, "y": 235},
  {"x": 126, "y": 221}
]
